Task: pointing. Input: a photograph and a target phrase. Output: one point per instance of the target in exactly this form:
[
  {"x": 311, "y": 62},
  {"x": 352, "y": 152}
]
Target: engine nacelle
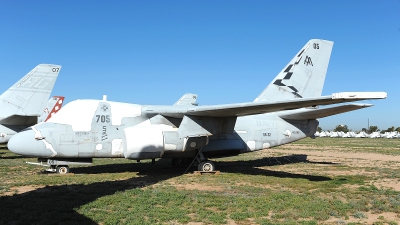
[
  {"x": 172, "y": 142},
  {"x": 150, "y": 142}
]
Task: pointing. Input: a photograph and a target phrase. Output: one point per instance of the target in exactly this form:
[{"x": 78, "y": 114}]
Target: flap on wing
[
  {"x": 252, "y": 108},
  {"x": 304, "y": 114},
  {"x": 18, "y": 120}
]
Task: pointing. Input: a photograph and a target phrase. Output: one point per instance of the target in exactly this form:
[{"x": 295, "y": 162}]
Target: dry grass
[{"x": 322, "y": 181}]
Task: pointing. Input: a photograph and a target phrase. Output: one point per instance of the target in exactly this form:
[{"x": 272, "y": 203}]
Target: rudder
[
  {"x": 53, "y": 106},
  {"x": 304, "y": 76}
]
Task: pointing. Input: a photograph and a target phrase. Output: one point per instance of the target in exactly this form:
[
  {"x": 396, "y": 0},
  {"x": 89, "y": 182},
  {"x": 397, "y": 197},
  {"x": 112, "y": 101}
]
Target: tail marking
[{"x": 289, "y": 72}]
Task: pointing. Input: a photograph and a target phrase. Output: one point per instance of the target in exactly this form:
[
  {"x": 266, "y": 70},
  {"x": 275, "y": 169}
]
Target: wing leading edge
[{"x": 252, "y": 108}]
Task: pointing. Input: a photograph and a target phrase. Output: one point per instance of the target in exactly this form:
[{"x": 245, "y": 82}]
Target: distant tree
[
  {"x": 319, "y": 129},
  {"x": 343, "y": 128},
  {"x": 364, "y": 129},
  {"x": 398, "y": 129},
  {"x": 373, "y": 129},
  {"x": 390, "y": 129}
]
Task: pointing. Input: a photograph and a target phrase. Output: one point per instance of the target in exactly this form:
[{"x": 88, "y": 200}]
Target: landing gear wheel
[
  {"x": 62, "y": 169},
  {"x": 206, "y": 166}
]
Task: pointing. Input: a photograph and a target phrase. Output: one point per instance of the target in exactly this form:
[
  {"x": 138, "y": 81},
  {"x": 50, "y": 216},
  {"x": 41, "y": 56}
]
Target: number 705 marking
[{"x": 103, "y": 118}]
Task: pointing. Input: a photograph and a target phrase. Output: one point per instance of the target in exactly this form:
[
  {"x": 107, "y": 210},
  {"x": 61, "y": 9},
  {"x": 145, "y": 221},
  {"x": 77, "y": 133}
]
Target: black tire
[
  {"x": 62, "y": 169},
  {"x": 206, "y": 166}
]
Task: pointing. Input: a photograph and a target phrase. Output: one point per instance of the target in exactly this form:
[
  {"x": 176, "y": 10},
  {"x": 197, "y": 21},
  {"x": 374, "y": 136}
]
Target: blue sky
[{"x": 152, "y": 52}]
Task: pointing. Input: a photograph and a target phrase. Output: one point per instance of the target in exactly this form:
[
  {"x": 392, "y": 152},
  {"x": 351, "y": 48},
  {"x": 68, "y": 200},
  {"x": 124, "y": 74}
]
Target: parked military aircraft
[
  {"x": 285, "y": 111},
  {"x": 24, "y": 102}
]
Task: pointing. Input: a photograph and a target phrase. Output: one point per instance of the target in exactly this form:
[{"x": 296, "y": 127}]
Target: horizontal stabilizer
[
  {"x": 308, "y": 114},
  {"x": 252, "y": 108},
  {"x": 359, "y": 95},
  {"x": 17, "y": 120}
]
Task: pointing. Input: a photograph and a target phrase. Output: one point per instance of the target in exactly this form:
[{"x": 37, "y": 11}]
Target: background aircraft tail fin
[
  {"x": 187, "y": 99},
  {"x": 29, "y": 95},
  {"x": 53, "y": 106},
  {"x": 304, "y": 76}
]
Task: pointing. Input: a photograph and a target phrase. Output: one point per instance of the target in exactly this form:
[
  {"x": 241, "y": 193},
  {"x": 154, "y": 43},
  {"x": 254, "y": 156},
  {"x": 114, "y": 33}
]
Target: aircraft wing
[
  {"x": 252, "y": 108},
  {"x": 306, "y": 114}
]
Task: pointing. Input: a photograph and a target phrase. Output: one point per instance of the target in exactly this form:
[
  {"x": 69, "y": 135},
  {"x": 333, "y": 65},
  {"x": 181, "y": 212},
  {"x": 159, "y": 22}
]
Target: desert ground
[{"x": 312, "y": 181}]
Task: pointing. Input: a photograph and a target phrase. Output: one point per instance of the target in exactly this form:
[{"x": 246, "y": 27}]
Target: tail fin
[
  {"x": 304, "y": 76},
  {"x": 53, "y": 106},
  {"x": 28, "y": 96},
  {"x": 187, "y": 99}
]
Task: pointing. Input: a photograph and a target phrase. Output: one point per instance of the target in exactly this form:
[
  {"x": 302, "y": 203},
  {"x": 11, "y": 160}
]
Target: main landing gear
[{"x": 204, "y": 164}]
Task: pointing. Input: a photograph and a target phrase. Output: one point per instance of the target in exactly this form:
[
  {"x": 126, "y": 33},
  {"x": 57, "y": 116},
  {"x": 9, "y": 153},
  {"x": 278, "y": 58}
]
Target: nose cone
[{"x": 24, "y": 143}]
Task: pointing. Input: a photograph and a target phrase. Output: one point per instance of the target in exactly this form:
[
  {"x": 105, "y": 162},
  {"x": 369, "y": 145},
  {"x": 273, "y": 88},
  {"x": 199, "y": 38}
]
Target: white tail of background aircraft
[{"x": 23, "y": 102}]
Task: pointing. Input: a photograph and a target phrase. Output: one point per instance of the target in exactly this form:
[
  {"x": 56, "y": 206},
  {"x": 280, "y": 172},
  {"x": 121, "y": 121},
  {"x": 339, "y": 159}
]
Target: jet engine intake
[
  {"x": 143, "y": 142},
  {"x": 150, "y": 142}
]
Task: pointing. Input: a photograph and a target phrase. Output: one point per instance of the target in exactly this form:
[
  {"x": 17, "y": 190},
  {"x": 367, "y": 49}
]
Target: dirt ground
[
  {"x": 353, "y": 162},
  {"x": 356, "y": 163}
]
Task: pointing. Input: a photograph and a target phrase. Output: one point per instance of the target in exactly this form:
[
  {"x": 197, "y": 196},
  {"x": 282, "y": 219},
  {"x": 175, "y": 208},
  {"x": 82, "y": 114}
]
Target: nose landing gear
[
  {"x": 61, "y": 165},
  {"x": 62, "y": 169}
]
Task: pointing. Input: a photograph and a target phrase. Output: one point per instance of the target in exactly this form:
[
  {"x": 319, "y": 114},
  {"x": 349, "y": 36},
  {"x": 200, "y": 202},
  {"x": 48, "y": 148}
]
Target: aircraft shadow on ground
[
  {"x": 12, "y": 157},
  {"x": 58, "y": 204},
  {"x": 252, "y": 167}
]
